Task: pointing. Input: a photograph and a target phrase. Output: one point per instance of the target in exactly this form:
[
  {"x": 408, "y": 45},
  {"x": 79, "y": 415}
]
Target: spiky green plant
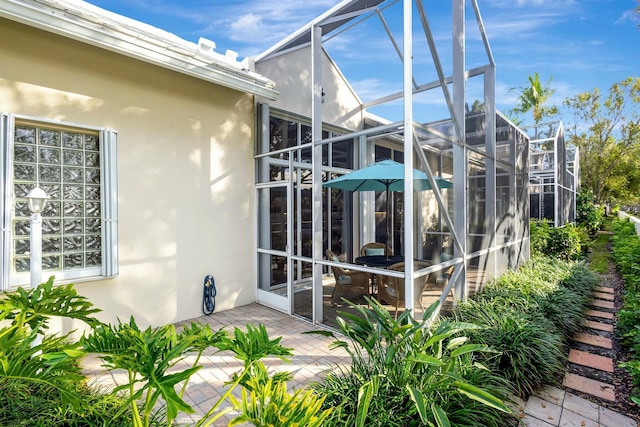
[
  {"x": 405, "y": 372},
  {"x": 266, "y": 402},
  {"x": 530, "y": 348}
]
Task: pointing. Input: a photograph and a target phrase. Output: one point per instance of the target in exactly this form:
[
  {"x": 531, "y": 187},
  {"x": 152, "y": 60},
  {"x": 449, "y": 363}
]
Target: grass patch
[
  {"x": 600, "y": 254},
  {"x": 599, "y": 257}
]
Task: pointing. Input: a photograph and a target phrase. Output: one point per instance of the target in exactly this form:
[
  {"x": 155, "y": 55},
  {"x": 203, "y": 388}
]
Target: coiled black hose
[{"x": 209, "y": 295}]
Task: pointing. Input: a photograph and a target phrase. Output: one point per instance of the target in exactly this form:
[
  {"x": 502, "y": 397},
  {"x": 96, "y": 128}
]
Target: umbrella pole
[{"x": 388, "y": 222}]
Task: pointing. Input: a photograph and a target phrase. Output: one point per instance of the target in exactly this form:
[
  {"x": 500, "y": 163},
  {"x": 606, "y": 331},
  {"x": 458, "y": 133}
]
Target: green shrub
[
  {"x": 408, "y": 372},
  {"x": 588, "y": 214},
  {"x": 539, "y": 235},
  {"x": 39, "y": 405},
  {"x": 564, "y": 309},
  {"x": 530, "y": 349},
  {"x": 564, "y": 242},
  {"x": 626, "y": 255}
]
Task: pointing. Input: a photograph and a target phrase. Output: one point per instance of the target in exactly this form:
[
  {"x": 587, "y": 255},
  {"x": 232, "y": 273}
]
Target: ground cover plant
[
  {"x": 626, "y": 255},
  {"x": 528, "y": 317},
  {"x": 510, "y": 338},
  {"x": 40, "y": 379},
  {"x": 411, "y": 372}
]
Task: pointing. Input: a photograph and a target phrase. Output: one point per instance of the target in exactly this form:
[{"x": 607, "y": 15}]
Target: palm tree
[{"x": 533, "y": 98}]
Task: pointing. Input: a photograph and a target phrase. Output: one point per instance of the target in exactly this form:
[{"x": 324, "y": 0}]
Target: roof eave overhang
[{"x": 135, "y": 45}]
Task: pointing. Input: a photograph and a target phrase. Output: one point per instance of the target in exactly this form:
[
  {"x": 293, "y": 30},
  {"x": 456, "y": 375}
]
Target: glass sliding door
[{"x": 284, "y": 214}]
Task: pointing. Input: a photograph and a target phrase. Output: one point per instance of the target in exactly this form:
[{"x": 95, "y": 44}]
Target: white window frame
[{"x": 109, "y": 205}]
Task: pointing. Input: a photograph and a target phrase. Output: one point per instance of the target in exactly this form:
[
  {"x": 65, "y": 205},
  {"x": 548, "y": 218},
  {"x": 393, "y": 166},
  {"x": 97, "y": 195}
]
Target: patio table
[{"x": 380, "y": 261}]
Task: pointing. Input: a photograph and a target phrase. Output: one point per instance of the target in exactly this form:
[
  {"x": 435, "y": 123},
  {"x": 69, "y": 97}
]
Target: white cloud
[
  {"x": 507, "y": 26},
  {"x": 248, "y": 25},
  {"x": 556, "y": 4},
  {"x": 628, "y": 16},
  {"x": 276, "y": 19},
  {"x": 370, "y": 88}
]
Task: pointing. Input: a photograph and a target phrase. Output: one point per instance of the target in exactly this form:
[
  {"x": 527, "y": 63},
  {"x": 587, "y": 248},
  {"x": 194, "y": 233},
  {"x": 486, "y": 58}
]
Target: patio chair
[
  {"x": 375, "y": 248},
  {"x": 347, "y": 281},
  {"x": 391, "y": 289}
]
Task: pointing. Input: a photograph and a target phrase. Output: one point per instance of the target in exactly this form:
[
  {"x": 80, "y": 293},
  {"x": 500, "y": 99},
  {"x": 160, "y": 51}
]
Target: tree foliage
[
  {"x": 606, "y": 130},
  {"x": 533, "y": 97}
]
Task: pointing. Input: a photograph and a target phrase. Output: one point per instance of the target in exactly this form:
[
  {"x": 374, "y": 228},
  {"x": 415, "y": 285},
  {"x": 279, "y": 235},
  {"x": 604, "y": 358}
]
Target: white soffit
[{"x": 89, "y": 24}]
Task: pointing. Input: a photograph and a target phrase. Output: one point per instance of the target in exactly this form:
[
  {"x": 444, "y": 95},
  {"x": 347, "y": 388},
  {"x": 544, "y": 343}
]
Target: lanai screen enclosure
[
  {"x": 438, "y": 117},
  {"x": 554, "y": 174}
]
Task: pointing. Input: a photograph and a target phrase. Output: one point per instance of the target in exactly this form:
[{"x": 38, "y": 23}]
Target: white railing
[{"x": 633, "y": 219}]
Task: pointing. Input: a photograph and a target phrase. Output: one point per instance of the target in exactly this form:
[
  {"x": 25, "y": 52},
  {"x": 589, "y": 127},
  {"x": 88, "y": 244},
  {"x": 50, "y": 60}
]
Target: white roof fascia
[
  {"x": 124, "y": 36},
  {"x": 327, "y": 15}
]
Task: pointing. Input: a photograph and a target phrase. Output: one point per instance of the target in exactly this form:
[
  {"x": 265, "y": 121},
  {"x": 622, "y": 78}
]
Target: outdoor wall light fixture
[
  {"x": 322, "y": 95},
  {"x": 37, "y": 198}
]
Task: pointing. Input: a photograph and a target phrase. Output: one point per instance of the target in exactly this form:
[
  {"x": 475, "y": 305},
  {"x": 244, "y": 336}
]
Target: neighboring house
[{"x": 144, "y": 143}]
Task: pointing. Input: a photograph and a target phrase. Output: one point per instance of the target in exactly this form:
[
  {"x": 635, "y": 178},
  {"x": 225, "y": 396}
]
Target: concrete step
[
  {"x": 603, "y": 295},
  {"x": 589, "y": 386}
]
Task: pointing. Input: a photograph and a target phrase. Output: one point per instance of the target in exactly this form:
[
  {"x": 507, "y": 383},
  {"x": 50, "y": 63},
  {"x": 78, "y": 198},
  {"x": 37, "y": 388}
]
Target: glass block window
[
  {"x": 78, "y": 230},
  {"x": 66, "y": 165}
]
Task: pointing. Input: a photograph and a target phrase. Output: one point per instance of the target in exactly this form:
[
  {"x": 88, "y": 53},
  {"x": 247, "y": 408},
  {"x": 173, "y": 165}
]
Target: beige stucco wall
[
  {"x": 292, "y": 74},
  {"x": 185, "y": 169}
]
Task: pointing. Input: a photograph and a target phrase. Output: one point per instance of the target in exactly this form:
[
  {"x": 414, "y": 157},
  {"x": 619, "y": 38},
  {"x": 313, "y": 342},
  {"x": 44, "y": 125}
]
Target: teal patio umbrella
[{"x": 386, "y": 176}]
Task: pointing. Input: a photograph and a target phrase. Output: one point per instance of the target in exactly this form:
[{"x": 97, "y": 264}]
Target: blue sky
[{"x": 580, "y": 44}]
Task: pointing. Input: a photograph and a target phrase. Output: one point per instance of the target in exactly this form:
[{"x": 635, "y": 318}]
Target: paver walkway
[{"x": 552, "y": 406}]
